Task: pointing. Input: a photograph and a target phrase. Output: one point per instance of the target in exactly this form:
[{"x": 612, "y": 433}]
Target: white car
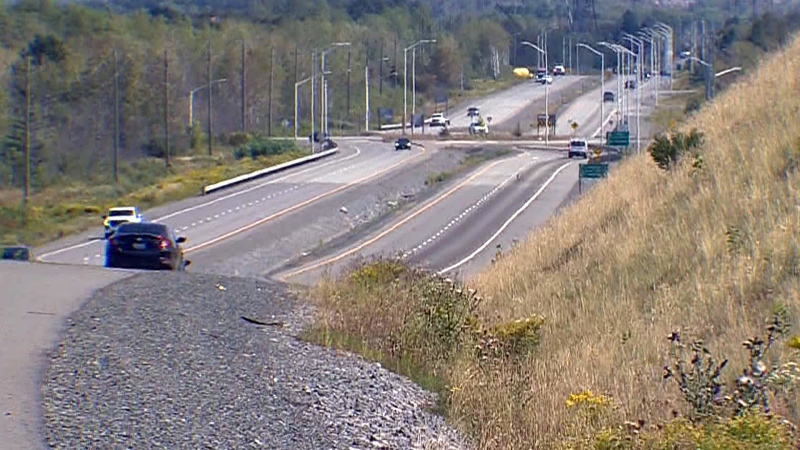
[
  {"x": 119, "y": 215},
  {"x": 479, "y": 127},
  {"x": 439, "y": 120},
  {"x": 559, "y": 70},
  {"x": 546, "y": 79},
  {"x": 578, "y": 147}
]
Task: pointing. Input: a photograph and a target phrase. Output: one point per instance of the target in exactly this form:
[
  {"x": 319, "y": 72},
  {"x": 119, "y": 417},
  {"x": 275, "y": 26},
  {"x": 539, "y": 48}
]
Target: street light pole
[
  {"x": 296, "y": 108},
  {"x": 191, "y": 98},
  {"x": 602, "y": 87},
  {"x": 709, "y": 78},
  {"x": 615, "y": 49},
  {"x": 639, "y": 44},
  {"x": 405, "y": 78},
  {"x": 324, "y": 125},
  {"x": 546, "y": 93}
]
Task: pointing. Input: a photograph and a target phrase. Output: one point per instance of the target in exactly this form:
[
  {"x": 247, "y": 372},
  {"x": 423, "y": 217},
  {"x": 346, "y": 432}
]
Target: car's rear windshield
[
  {"x": 143, "y": 228},
  {"x": 577, "y": 143},
  {"x": 120, "y": 212}
]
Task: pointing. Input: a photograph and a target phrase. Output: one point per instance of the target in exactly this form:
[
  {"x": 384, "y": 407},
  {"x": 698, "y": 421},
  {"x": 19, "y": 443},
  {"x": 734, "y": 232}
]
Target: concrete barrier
[{"x": 269, "y": 170}]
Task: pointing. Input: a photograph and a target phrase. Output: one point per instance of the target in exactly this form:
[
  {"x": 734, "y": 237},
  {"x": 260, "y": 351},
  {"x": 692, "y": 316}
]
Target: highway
[
  {"x": 506, "y": 106},
  {"x": 213, "y": 218},
  {"x": 448, "y": 228}
]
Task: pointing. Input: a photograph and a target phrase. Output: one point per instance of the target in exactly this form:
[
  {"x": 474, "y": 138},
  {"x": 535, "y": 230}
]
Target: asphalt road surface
[
  {"x": 504, "y": 105},
  {"x": 35, "y": 301},
  {"x": 450, "y": 227},
  {"x": 211, "y": 219}
]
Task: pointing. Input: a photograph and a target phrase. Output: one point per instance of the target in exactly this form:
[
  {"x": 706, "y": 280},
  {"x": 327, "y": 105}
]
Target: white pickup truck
[{"x": 119, "y": 215}]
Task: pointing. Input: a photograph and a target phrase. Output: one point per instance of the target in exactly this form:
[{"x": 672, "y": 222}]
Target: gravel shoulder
[
  {"x": 35, "y": 300},
  {"x": 167, "y": 360}
]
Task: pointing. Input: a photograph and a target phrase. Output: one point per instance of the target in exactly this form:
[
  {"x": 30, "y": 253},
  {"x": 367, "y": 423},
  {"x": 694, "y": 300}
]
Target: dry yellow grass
[
  {"x": 708, "y": 252},
  {"x": 649, "y": 252}
]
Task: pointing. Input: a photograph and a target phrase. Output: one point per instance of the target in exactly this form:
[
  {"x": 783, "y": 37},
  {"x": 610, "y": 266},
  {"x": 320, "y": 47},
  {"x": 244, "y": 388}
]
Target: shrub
[
  {"x": 667, "y": 150},
  {"x": 260, "y": 147}
]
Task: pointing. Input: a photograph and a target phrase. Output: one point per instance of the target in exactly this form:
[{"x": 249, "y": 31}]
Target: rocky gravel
[{"x": 182, "y": 360}]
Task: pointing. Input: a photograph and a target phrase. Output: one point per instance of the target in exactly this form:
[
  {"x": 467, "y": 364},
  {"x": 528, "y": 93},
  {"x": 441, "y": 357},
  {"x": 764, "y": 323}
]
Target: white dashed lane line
[
  {"x": 244, "y": 206},
  {"x": 467, "y": 211}
]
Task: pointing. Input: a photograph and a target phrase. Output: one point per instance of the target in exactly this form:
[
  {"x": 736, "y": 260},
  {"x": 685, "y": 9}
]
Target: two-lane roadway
[{"x": 213, "y": 218}]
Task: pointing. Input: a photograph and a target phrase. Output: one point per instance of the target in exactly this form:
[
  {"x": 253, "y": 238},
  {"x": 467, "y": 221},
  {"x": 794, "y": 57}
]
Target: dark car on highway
[
  {"x": 608, "y": 96},
  {"x": 17, "y": 253},
  {"x": 402, "y": 144},
  {"x": 145, "y": 245}
]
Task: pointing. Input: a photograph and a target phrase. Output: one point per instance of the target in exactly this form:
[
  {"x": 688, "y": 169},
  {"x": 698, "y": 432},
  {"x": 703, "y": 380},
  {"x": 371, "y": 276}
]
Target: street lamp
[
  {"x": 709, "y": 76},
  {"x": 191, "y": 98},
  {"x": 616, "y": 49},
  {"x": 602, "y": 86},
  {"x": 546, "y": 93},
  {"x": 668, "y": 50},
  {"x": 324, "y": 87},
  {"x": 296, "y": 87},
  {"x": 727, "y": 71},
  {"x": 651, "y": 35},
  {"x": 405, "y": 78},
  {"x": 640, "y": 44}
]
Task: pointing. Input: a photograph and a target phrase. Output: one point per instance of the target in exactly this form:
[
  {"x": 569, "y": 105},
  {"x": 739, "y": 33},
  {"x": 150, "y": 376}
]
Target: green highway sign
[
  {"x": 619, "y": 139},
  {"x": 592, "y": 170}
]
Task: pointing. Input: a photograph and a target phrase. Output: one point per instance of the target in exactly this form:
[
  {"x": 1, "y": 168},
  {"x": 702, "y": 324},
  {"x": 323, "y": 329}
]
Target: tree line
[{"x": 98, "y": 84}]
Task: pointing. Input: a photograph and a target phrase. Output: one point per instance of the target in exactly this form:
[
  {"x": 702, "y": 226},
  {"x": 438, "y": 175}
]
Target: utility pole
[
  {"x": 27, "y": 191},
  {"x": 210, "y": 116},
  {"x": 271, "y": 84},
  {"x": 244, "y": 88},
  {"x": 380, "y": 72},
  {"x": 116, "y": 116},
  {"x": 349, "y": 70},
  {"x": 166, "y": 107},
  {"x": 313, "y": 96},
  {"x": 366, "y": 96}
]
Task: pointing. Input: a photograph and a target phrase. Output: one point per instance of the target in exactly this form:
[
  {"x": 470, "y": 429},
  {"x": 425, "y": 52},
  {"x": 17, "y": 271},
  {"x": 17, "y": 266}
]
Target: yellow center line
[
  {"x": 300, "y": 205},
  {"x": 390, "y": 229}
]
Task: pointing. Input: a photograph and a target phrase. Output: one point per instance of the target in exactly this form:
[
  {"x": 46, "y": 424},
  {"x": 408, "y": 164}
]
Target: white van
[{"x": 578, "y": 147}]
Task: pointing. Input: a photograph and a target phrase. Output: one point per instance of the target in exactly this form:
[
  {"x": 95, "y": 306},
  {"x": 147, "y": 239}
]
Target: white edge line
[
  {"x": 507, "y": 222},
  {"x": 203, "y": 205}
]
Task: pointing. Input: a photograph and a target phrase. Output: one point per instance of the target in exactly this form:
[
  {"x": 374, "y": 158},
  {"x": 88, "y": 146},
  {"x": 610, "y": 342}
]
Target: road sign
[
  {"x": 593, "y": 170},
  {"x": 574, "y": 126},
  {"x": 619, "y": 139}
]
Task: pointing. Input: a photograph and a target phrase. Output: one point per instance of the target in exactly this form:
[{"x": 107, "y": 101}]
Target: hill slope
[
  {"x": 710, "y": 252},
  {"x": 710, "y": 249}
]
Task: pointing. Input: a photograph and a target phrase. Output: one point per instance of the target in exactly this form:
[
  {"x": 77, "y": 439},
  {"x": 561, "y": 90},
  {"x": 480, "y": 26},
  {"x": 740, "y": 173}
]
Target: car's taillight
[{"x": 163, "y": 244}]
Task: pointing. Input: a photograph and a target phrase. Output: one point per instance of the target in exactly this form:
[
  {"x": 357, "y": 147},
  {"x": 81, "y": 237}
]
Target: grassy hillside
[{"x": 569, "y": 343}]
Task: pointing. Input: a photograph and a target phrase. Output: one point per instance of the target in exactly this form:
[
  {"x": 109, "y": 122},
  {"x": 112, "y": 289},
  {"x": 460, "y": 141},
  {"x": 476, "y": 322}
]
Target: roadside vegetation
[{"x": 661, "y": 310}]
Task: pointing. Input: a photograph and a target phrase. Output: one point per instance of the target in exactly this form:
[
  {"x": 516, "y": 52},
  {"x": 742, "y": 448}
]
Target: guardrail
[
  {"x": 398, "y": 126},
  {"x": 269, "y": 170}
]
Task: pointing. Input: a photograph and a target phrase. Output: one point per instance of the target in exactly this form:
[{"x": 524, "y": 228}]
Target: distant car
[
  {"x": 439, "y": 120},
  {"x": 402, "y": 144},
  {"x": 608, "y": 96},
  {"x": 145, "y": 245},
  {"x": 473, "y": 111},
  {"x": 630, "y": 84},
  {"x": 119, "y": 215},
  {"x": 16, "y": 253},
  {"x": 479, "y": 127},
  {"x": 559, "y": 70},
  {"x": 546, "y": 79},
  {"x": 578, "y": 148}
]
